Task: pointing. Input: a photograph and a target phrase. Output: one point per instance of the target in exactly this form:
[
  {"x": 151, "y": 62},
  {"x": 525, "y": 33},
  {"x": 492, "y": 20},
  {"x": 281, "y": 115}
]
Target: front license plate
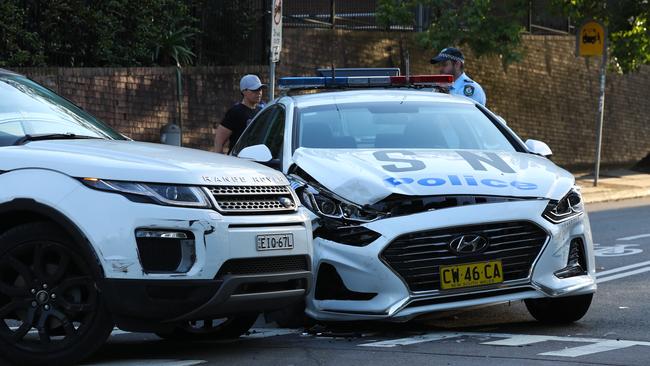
[
  {"x": 275, "y": 242},
  {"x": 471, "y": 274}
]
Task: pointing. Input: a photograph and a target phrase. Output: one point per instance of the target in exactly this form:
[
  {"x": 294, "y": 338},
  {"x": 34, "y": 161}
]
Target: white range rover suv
[{"x": 97, "y": 230}]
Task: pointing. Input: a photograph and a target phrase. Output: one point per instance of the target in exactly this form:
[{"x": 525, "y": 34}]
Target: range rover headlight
[
  {"x": 568, "y": 207},
  {"x": 162, "y": 194}
]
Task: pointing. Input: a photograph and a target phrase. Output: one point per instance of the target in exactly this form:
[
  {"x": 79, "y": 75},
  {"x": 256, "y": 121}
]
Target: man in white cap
[
  {"x": 239, "y": 116},
  {"x": 451, "y": 61}
]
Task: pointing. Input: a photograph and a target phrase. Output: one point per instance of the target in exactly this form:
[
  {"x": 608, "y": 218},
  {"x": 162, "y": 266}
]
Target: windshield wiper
[{"x": 52, "y": 136}]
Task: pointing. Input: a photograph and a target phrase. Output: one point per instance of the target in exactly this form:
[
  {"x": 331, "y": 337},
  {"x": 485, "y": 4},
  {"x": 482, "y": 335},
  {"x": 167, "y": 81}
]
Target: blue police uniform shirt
[{"x": 468, "y": 88}]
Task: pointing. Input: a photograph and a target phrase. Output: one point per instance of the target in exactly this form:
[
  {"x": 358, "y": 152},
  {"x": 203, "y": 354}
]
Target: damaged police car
[
  {"x": 97, "y": 230},
  {"x": 423, "y": 202}
]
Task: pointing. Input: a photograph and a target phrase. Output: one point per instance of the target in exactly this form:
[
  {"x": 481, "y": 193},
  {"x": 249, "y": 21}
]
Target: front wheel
[
  {"x": 50, "y": 308},
  {"x": 561, "y": 310},
  {"x": 207, "y": 329}
]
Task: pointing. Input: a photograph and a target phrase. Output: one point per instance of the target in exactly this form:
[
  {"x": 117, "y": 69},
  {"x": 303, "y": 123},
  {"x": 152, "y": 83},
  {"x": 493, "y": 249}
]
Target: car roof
[{"x": 375, "y": 95}]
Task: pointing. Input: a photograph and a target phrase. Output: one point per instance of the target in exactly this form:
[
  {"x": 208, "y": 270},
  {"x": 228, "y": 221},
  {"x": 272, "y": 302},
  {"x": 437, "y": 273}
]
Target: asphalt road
[{"x": 614, "y": 331}]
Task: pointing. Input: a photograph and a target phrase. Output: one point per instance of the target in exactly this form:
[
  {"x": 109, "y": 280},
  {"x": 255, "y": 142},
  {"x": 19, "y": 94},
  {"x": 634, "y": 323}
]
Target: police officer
[{"x": 451, "y": 62}]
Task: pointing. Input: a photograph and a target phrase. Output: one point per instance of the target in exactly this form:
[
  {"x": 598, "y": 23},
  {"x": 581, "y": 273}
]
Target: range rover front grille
[
  {"x": 247, "y": 200},
  {"x": 417, "y": 257},
  {"x": 265, "y": 265}
]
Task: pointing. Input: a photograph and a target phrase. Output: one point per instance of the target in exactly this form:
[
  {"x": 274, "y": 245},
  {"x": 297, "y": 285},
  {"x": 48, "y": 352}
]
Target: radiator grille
[
  {"x": 245, "y": 200},
  {"x": 417, "y": 257}
]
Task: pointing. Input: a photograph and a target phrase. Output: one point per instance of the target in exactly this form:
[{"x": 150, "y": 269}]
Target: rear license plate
[
  {"x": 471, "y": 274},
  {"x": 275, "y": 242}
]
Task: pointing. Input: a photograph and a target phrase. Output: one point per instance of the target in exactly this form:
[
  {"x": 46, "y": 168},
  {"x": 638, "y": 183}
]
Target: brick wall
[
  {"x": 551, "y": 95},
  {"x": 139, "y": 101}
]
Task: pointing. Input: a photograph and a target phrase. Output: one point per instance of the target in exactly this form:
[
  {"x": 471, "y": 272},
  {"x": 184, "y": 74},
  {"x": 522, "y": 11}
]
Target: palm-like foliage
[{"x": 172, "y": 47}]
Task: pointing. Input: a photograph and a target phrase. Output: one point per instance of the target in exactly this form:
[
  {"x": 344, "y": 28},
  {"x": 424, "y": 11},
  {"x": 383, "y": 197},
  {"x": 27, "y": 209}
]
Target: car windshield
[
  {"x": 28, "y": 109},
  {"x": 406, "y": 124}
]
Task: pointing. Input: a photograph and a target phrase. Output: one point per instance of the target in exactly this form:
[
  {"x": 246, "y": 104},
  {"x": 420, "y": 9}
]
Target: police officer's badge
[{"x": 468, "y": 90}]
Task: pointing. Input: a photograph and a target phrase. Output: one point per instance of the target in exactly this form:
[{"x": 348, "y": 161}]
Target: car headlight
[
  {"x": 339, "y": 220},
  {"x": 565, "y": 209},
  {"x": 162, "y": 194},
  {"x": 328, "y": 205}
]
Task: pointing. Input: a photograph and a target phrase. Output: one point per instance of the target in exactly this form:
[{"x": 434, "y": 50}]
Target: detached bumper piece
[{"x": 250, "y": 285}]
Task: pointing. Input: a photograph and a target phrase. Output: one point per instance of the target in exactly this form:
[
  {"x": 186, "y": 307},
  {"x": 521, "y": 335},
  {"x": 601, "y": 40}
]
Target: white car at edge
[
  {"x": 424, "y": 202},
  {"x": 97, "y": 230}
]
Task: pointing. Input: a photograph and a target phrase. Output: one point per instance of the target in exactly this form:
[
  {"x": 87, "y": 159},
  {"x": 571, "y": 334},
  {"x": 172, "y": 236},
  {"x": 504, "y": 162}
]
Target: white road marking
[
  {"x": 589, "y": 349},
  {"x": 621, "y": 275},
  {"x": 635, "y": 237},
  {"x": 430, "y": 337},
  {"x": 624, "y": 268},
  {"x": 520, "y": 340},
  {"x": 270, "y": 332},
  {"x": 150, "y": 363},
  {"x": 514, "y": 340}
]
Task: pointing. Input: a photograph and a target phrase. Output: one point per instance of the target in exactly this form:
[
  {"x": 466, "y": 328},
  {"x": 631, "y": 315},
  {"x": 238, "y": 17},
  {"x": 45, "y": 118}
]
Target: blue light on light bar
[{"x": 311, "y": 82}]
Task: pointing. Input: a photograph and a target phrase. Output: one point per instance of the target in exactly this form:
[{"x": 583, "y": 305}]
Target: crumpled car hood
[{"x": 366, "y": 176}]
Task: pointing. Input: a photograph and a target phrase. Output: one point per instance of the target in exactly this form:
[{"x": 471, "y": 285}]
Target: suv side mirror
[
  {"x": 539, "y": 148},
  {"x": 259, "y": 153}
]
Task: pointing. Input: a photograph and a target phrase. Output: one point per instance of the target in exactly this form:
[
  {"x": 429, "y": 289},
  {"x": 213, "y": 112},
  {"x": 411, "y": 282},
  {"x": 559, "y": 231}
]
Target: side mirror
[
  {"x": 258, "y": 153},
  {"x": 539, "y": 148}
]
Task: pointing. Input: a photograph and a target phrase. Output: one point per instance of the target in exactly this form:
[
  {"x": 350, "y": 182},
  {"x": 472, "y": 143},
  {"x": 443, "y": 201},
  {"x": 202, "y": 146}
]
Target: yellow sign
[{"x": 590, "y": 39}]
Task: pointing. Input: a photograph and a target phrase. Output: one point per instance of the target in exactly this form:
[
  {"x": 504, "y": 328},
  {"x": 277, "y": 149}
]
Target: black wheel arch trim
[{"x": 29, "y": 205}]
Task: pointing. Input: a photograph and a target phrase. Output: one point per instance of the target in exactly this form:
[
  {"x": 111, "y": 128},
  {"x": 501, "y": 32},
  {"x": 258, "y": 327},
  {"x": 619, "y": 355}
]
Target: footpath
[{"x": 614, "y": 185}]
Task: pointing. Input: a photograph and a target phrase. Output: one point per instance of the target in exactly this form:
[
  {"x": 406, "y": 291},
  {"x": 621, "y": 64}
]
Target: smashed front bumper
[{"x": 372, "y": 282}]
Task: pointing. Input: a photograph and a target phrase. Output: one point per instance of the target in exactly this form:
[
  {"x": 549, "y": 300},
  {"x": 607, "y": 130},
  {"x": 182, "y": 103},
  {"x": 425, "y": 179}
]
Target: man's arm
[{"x": 220, "y": 137}]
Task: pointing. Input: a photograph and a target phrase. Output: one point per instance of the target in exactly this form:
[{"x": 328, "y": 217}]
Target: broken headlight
[
  {"x": 339, "y": 220},
  {"x": 567, "y": 208},
  {"x": 326, "y": 204}
]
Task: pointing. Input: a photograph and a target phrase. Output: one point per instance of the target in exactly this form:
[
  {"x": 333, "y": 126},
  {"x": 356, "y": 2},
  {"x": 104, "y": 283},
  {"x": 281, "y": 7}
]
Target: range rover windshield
[
  {"x": 30, "y": 112},
  {"x": 404, "y": 124}
]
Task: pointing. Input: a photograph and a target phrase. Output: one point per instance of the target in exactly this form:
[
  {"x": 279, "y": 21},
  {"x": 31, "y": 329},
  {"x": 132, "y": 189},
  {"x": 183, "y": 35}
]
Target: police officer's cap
[{"x": 449, "y": 53}]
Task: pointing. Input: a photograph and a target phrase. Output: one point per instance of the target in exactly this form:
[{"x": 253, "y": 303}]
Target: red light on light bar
[{"x": 422, "y": 79}]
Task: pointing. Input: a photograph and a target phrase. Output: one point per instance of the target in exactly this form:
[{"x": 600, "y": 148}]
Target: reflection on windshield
[
  {"x": 27, "y": 108},
  {"x": 399, "y": 125}
]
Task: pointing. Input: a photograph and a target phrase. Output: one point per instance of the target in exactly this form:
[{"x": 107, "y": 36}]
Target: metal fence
[
  {"x": 232, "y": 32},
  {"x": 237, "y": 32},
  {"x": 542, "y": 18}
]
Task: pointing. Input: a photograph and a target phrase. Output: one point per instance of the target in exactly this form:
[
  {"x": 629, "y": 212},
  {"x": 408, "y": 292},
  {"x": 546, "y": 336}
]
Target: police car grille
[
  {"x": 417, "y": 257},
  {"x": 266, "y": 265},
  {"x": 249, "y": 200}
]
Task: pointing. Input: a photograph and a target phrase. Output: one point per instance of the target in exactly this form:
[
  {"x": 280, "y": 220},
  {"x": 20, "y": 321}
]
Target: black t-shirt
[{"x": 236, "y": 120}]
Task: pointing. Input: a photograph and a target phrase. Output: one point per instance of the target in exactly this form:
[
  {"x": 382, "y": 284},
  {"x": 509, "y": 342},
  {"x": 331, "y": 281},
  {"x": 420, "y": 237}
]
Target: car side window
[
  {"x": 256, "y": 133},
  {"x": 275, "y": 136}
]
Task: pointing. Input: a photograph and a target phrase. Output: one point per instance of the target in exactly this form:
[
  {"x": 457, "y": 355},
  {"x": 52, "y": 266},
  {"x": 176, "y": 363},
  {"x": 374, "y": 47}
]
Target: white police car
[
  {"x": 424, "y": 201},
  {"x": 97, "y": 230}
]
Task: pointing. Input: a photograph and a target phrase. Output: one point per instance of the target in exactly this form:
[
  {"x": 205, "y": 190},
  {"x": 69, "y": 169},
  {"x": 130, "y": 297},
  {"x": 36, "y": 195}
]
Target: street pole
[
  {"x": 601, "y": 114},
  {"x": 271, "y": 79}
]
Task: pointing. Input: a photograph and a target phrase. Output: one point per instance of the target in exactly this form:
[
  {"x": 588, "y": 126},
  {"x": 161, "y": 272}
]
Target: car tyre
[
  {"x": 561, "y": 310},
  {"x": 210, "y": 329},
  {"x": 51, "y": 311}
]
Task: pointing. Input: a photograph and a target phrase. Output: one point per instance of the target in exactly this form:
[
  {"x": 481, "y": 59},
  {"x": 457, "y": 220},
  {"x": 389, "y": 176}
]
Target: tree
[
  {"x": 18, "y": 46},
  {"x": 487, "y": 27},
  {"x": 628, "y": 25}
]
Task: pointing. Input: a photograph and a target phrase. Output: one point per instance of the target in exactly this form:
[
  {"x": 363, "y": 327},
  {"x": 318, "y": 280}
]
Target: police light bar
[{"x": 414, "y": 81}]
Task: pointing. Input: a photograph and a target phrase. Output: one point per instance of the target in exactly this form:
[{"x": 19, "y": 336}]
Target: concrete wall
[{"x": 551, "y": 95}]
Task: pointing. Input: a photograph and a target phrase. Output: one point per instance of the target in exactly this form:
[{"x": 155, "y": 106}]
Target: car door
[{"x": 266, "y": 129}]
